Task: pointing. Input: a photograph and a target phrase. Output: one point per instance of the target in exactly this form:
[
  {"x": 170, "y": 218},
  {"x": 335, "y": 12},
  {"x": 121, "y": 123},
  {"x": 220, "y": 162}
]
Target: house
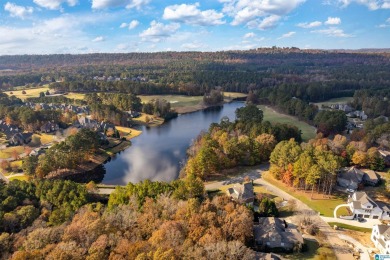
[
  {"x": 362, "y": 206},
  {"x": 242, "y": 193},
  {"x": 133, "y": 114},
  {"x": 370, "y": 178},
  {"x": 274, "y": 234},
  {"x": 386, "y": 156},
  {"x": 350, "y": 178},
  {"x": 49, "y": 127},
  {"x": 358, "y": 114},
  {"x": 380, "y": 235},
  {"x": 88, "y": 123},
  {"x": 20, "y": 139}
]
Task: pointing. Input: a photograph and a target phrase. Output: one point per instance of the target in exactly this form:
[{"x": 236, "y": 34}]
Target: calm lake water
[{"x": 159, "y": 152}]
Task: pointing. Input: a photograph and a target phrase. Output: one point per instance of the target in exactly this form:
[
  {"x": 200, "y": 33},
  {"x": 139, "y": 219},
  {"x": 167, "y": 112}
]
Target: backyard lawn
[
  {"x": 320, "y": 203},
  {"x": 73, "y": 95},
  {"x": 308, "y": 131},
  {"x": 127, "y": 132},
  {"x": 10, "y": 151}
]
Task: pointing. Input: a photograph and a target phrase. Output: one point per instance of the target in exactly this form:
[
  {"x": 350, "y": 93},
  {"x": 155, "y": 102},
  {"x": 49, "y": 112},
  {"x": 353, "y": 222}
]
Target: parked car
[{"x": 361, "y": 219}]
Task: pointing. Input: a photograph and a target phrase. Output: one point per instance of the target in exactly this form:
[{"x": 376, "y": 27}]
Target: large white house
[
  {"x": 381, "y": 237},
  {"x": 362, "y": 206}
]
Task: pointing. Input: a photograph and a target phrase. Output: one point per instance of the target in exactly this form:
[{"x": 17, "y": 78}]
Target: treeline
[
  {"x": 149, "y": 220},
  {"x": 124, "y": 102},
  {"x": 373, "y": 102},
  {"x": 160, "y": 108},
  {"x": 314, "y": 165},
  {"x": 247, "y": 141},
  {"x": 28, "y": 118},
  {"x": 23, "y": 202},
  {"x": 56, "y": 100},
  {"x": 69, "y": 154}
]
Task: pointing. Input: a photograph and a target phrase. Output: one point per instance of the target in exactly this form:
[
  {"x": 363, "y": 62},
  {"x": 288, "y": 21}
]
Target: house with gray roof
[
  {"x": 352, "y": 177},
  {"x": 242, "y": 193},
  {"x": 362, "y": 206},
  {"x": 380, "y": 235},
  {"x": 275, "y": 235}
]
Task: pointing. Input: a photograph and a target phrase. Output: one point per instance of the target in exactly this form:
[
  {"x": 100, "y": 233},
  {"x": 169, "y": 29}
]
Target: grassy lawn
[
  {"x": 20, "y": 177},
  {"x": 342, "y": 100},
  {"x": 154, "y": 121},
  {"x": 122, "y": 146},
  {"x": 314, "y": 251},
  {"x": 30, "y": 92},
  {"x": 45, "y": 138},
  {"x": 345, "y": 226},
  {"x": 127, "y": 132},
  {"x": 73, "y": 95},
  {"x": 308, "y": 131},
  {"x": 9, "y": 151},
  {"x": 319, "y": 203}
]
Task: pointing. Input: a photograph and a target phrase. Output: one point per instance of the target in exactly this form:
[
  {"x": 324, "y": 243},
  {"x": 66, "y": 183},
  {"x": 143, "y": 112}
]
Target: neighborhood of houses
[
  {"x": 273, "y": 234},
  {"x": 111, "y": 78}
]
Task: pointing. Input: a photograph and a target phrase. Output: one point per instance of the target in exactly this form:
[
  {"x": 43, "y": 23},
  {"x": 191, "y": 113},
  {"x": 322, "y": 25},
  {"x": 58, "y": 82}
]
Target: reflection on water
[{"x": 157, "y": 153}]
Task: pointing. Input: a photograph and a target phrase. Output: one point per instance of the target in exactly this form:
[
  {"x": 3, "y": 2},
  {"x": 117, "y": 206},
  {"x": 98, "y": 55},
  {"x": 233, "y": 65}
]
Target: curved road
[{"x": 341, "y": 249}]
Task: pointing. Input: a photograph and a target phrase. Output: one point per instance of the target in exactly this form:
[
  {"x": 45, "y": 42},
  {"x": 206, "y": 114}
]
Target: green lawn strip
[
  {"x": 354, "y": 228},
  {"x": 325, "y": 206},
  {"x": 20, "y": 178},
  {"x": 308, "y": 131},
  {"x": 342, "y": 100},
  {"x": 175, "y": 100}
]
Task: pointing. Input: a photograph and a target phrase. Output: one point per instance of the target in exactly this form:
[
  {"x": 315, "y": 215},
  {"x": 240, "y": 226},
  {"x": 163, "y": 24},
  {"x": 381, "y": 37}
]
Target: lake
[{"x": 159, "y": 152}]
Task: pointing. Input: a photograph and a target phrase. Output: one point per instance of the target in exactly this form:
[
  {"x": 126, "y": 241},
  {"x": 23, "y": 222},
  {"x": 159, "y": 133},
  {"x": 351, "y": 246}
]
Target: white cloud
[
  {"x": 333, "y": 32},
  {"x": 371, "y": 4},
  {"x": 249, "y": 35},
  {"x": 17, "y": 10},
  {"x": 191, "y": 14},
  {"x": 63, "y": 34},
  {"x": 386, "y": 24},
  {"x": 133, "y": 24},
  {"x": 310, "y": 25},
  {"x": 99, "y": 39},
  {"x": 158, "y": 31},
  {"x": 123, "y": 25},
  {"x": 287, "y": 35},
  {"x": 333, "y": 21},
  {"x": 250, "y": 12},
  {"x": 388, "y": 20},
  {"x": 103, "y": 4},
  {"x": 54, "y": 4},
  {"x": 268, "y": 22}
]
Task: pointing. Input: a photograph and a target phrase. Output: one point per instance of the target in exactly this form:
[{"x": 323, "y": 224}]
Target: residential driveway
[
  {"x": 364, "y": 255},
  {"x": 368, "y": 223}
]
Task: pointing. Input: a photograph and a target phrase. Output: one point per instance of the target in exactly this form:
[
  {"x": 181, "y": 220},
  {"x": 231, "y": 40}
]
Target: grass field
[
  {"x": 127, "y": 132},
  {"x": 20, "y": 178},
  {"x": 319, "y": 203},
  {"x": 308, "y": 131},
  {"x": 154, "y": 121},
  {"x": 30, "y": 92},
  {"x": 45, "y": 138},
  {"x": 345, "y": 226},
  {"x": 9, "y": 151},
  {"x": 342, "y": 100},
  {"x": 234, "y": 95},
  {"x": 73, "y": 95}
]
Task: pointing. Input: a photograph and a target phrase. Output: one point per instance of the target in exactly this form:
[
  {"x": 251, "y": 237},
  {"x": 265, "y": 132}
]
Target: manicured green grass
[
  {"x": 30, "y": 92},
  {"x": 308, "y": 131},
  {"x": 341, "y": 100},
  {"x": 319, "y": 203},
  {"x": 21, "y": 178},
  {"x": 175, "y": 100},
  {"x": 345, "y": 226},
  {"x": 73, "y": 95},
  {"x": 127, "y": 132}
]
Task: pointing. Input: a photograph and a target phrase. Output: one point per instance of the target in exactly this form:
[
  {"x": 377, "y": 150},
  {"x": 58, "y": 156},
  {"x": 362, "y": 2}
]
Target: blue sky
[{"x": 86, "y": 26}]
